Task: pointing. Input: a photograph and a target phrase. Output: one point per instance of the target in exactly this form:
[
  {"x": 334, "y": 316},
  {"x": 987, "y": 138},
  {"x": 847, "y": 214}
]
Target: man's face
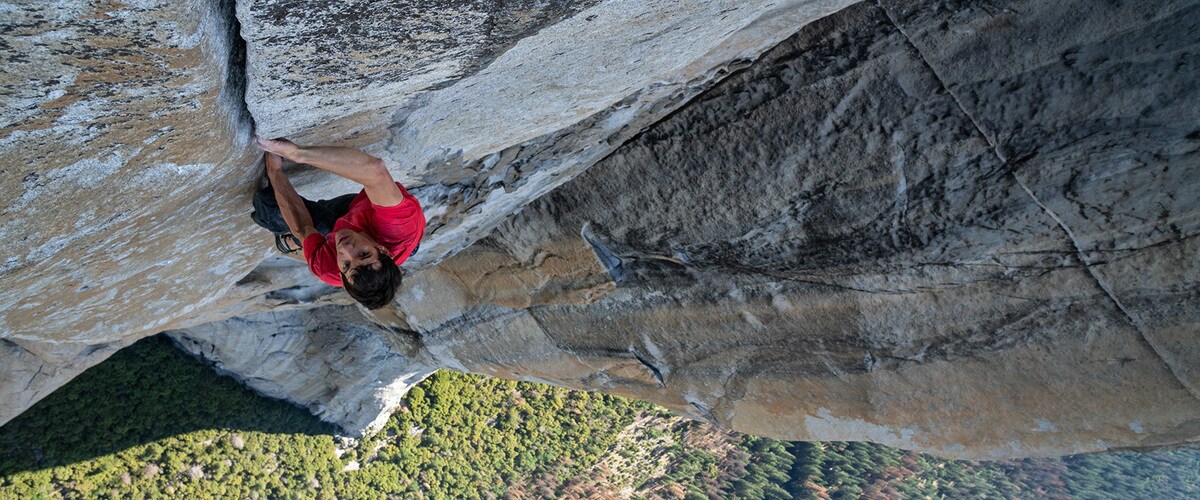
[{"x": 355, "y": 249}]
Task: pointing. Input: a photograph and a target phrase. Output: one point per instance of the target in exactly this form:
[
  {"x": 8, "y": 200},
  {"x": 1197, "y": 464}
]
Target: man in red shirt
[{"x": 356, "y": 241}]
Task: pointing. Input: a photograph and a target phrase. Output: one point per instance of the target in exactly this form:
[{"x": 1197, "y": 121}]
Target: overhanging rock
[
  {"x": 330, "y": 360},
  {"x": 481, "y": 108},
  {"x": 892, "y": 228}
]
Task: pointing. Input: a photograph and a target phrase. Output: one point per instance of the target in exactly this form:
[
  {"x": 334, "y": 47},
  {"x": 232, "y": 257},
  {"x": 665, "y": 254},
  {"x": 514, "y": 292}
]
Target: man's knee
[
  {"x": 265, "y": 197},
  {"x": 325, "y": 213}
]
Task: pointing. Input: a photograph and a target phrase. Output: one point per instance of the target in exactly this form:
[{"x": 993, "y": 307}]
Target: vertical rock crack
[
  {"x": 990, "y": 138},
  {"x": 233, "y": 89}
]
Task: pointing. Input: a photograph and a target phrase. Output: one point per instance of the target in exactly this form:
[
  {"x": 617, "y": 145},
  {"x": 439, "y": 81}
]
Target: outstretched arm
[
  {"x": 291, "y": 205},
  {"x": 350, "y": 163}
]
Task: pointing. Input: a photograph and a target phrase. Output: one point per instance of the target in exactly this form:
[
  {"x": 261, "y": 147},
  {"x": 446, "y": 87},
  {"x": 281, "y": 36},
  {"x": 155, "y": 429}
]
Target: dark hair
[{"x": 375, "y": 288}]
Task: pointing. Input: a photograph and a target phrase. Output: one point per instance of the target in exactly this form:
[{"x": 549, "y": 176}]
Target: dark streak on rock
[
  {"x": 706, "y": 413},
  {"x": 607, "y": 258},
  {"x": 92, "y": 349},
  {"x": 650, "y": 366}
]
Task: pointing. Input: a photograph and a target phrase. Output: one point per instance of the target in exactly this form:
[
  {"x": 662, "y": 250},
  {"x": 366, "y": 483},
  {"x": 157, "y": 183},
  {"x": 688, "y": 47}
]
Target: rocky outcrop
[
  {"x": 328, "y": 359},
  {"x": 960, "y": 227}
]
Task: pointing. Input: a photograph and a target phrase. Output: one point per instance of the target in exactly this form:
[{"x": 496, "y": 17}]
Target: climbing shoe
[{"x": 284, "y": 243}]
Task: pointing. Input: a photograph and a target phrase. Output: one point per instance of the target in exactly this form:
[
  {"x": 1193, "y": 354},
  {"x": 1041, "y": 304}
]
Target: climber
[{"x": 356, "y": 240}]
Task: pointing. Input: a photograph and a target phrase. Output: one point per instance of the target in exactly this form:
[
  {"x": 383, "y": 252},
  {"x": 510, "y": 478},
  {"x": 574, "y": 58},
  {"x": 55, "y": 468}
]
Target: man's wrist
[{"x": 297, "y": 155}]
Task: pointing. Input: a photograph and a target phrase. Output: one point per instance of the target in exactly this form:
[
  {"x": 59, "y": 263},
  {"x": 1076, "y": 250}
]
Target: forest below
[{"x": 153, "y": 422}]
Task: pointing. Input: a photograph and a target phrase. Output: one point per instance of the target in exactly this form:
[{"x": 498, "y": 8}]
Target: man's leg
[
  {"x": 266, "y": 212},
  {"x": 325, "y": 213}
]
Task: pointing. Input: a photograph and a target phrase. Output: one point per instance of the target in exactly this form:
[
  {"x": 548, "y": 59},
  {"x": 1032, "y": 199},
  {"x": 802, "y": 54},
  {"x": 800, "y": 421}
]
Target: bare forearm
[
  {"x": 291, "y": 205},
  {"x": 345, "y": 162},
  {"x": 350, "y": 163}
]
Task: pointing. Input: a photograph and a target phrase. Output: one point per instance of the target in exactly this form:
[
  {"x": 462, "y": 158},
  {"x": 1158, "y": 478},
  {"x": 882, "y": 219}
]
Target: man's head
[{"x": 369, "y": 274}]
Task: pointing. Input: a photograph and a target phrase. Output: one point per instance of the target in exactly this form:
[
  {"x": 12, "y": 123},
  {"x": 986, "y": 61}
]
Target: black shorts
[{"x": 324, "y": 213}]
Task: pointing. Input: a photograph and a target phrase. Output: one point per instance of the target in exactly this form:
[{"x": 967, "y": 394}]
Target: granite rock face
[
  {"x": 482, "y": 107},
  {"x": 881, "y": 231},
  {"x": 322, "y": 64},
  {"x": 125, "y": 139},
  {"x": 961, "y": 227},
  {"x": 1102, "y": 134},
  {"x": 122, "y": 145},
  {"x": 333, "y": 361}
]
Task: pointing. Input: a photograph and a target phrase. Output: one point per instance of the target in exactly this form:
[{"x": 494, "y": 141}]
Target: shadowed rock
[{"x": 829, "y": 245}]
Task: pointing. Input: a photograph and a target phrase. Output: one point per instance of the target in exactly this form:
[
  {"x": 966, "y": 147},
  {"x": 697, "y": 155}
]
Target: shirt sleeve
[
  {"x": 401, "y": 225},
  {"x": 321, "y": 260}
]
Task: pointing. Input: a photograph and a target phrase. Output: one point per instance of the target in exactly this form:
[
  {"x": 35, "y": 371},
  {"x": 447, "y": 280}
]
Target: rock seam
[{"x": 1087, "y": 264}]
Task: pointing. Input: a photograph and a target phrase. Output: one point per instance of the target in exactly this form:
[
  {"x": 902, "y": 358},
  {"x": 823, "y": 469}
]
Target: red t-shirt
[{"x": 398, "y": 228}]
